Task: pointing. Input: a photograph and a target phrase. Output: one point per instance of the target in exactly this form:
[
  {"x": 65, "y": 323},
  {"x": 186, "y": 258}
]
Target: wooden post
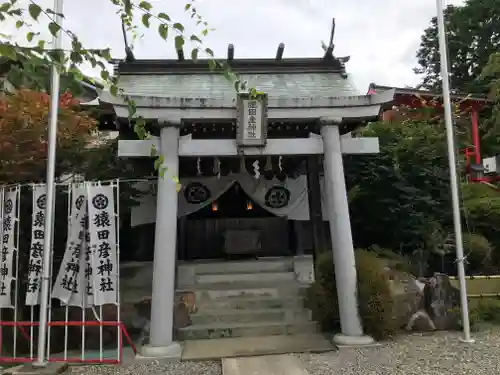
[
  {"x": 315, "y": 210},
  {"x": 475, "y": 136}
]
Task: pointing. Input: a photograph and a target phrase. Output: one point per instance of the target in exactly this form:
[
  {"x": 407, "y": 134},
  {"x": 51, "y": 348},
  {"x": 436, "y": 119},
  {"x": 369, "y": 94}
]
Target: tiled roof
[{"x": 215, "y": 86}]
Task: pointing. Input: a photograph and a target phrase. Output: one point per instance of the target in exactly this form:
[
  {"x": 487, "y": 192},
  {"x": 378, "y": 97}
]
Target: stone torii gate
[{"x": 332, "y": 114}]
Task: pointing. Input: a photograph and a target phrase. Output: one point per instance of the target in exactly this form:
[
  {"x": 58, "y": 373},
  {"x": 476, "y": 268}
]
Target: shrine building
[
  {"x": 262, "y": 185},
  {"x": 468, "y": 106}
]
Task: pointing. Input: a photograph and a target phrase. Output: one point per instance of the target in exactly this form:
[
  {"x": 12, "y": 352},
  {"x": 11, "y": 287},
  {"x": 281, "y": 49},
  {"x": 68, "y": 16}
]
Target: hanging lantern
[
  {"x": 215, "y": 206},
  {"x": 249, "y": 206}
]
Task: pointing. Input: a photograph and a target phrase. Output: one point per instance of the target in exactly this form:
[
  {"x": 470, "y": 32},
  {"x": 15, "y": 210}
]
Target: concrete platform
[
  {"x": 255, "y": 346},
  {"x": 226, "y": 330},
  {"x": 266, "y": 365}
]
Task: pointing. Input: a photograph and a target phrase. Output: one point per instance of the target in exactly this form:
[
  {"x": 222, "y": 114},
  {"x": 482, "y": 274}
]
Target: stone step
[
  {"x": 279, "y": 264},
  {"x": 207, "y": 316},
  {"x": 254, "y": 329},
  {"x": 251, "y": 303},
  {"x": 214, "y": 291},
  {"x": 259, "y": 277}
]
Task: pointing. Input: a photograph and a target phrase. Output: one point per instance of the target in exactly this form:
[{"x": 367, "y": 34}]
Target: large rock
[
  {"x": 408, "y": 295},
  {"x": 423, "y": 305},
  {"x": 441, "y": 301}
]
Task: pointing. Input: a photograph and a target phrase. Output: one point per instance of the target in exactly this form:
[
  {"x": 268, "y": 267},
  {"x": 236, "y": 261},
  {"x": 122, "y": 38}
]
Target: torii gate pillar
[
  {"x": 161, "y": 342},
  {"x": 342, "y": 244}
]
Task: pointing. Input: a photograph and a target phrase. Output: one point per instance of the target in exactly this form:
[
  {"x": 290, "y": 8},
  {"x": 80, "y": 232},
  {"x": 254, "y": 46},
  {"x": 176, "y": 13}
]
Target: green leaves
[
  {"x": 471, "y": 38},
  {"x": 145, "y": 19},
  {"x": 5, "y": 7},
  {"x": 38, "y": 57},
  {"x": 212, "y": 65},
  {"x": 179, "y": 27},
  {"x": 194, "y": 38},
  {"x": 113, "y": 90},
  {"x": 164, "y": 16},
  {"x": 54, "y": 28},
  {"x": 145, "y": 5},
  {"x": 163, "y": 31},
  {"x": 34, "y": 11},
  {"x": 105, "y": 75},
  {"x": 194, "y": 54},
  {"x": 179, "y": 42},
  {"x": 76, "y": 58},
  {"x": 8, "y": 51},
  {"x": 50, "y": 11},
  {"x": 105, "y": 54}
]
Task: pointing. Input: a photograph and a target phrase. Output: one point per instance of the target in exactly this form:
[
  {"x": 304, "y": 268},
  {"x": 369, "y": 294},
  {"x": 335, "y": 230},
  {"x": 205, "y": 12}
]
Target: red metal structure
[
  {"x": 22, "y": 326},
  {"x": 413, "y": 98}
]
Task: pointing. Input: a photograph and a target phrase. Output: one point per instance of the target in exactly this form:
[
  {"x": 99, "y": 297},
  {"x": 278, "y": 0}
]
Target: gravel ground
[
  {"x": 152, "y": 368},
  {"x": 419, "y": 354}
]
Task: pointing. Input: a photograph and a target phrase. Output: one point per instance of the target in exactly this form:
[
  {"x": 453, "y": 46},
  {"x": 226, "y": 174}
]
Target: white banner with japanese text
[
  {"x": 103, "y": 237},
  {"x": 68, "y": 287},
  {"x": 9, "y": 242},
  {"x": 37, "y": 243}
]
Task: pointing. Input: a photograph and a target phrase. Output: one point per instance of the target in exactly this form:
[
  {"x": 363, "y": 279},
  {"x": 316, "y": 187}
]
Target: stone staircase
[{"x": 262, "y": 297}]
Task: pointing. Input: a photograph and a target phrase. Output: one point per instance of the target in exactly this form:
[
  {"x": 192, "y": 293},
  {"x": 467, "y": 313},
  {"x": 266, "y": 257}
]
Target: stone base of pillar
[
  {"x": 344, "y": 340},
  {"x": 173, "y": 352}
]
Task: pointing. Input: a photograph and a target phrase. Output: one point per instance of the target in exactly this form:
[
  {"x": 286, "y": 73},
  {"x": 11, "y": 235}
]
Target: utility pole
[
  {"x": 443, "y": 51},
  {"x": 50, "y": 202}
]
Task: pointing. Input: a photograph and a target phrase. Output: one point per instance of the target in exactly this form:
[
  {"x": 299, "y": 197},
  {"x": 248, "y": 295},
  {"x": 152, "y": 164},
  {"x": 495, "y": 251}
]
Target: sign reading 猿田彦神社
[{"x": 251, "y": 120}]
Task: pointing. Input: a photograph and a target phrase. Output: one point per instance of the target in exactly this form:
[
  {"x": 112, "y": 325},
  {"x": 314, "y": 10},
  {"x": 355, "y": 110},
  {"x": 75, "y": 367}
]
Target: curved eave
[
  {"x": 353, "y": 110},
  {"x": 156, "y": 102},
  {"x": 413, "y": 97},
  {"x": 93, "y": 103},
  {"x": 97, "y": 103}
]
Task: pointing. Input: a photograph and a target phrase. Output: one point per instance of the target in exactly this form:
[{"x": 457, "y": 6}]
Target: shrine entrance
[
  {"x": 303, "y": 116},
  {"x": 204, "y": 233}
]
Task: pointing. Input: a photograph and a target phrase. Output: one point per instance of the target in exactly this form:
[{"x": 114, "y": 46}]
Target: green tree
[
  {"x": 23, "y": 118},
  {"x": 40, "y": 79},
  {"x": 403, "y": 190},
  {"x": 481, "y": 205},
  {"x": 490, "y": 75},
  {"x": 472, "y": 36}
]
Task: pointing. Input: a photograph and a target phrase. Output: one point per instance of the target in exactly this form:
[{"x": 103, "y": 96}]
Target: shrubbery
[
  {"x": 376, "y": 304},
  {"x": 487, "y": 310},
  {"x": 479, "y": 252}
]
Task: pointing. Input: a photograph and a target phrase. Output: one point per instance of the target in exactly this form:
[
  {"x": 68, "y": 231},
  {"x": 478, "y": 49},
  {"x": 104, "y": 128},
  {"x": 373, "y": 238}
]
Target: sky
[{"x": 381, "y": 36}]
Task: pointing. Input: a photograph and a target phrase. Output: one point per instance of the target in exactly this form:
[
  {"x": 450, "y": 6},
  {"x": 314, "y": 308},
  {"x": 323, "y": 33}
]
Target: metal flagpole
[
  {"x": 50, "y": 200},
  {"x": 453, "y": 172}
]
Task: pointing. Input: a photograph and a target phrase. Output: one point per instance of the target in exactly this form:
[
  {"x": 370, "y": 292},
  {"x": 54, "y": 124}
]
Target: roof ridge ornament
[
  {"x": 331, "y": 46},
  {"x": 129, "y": 53}
]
